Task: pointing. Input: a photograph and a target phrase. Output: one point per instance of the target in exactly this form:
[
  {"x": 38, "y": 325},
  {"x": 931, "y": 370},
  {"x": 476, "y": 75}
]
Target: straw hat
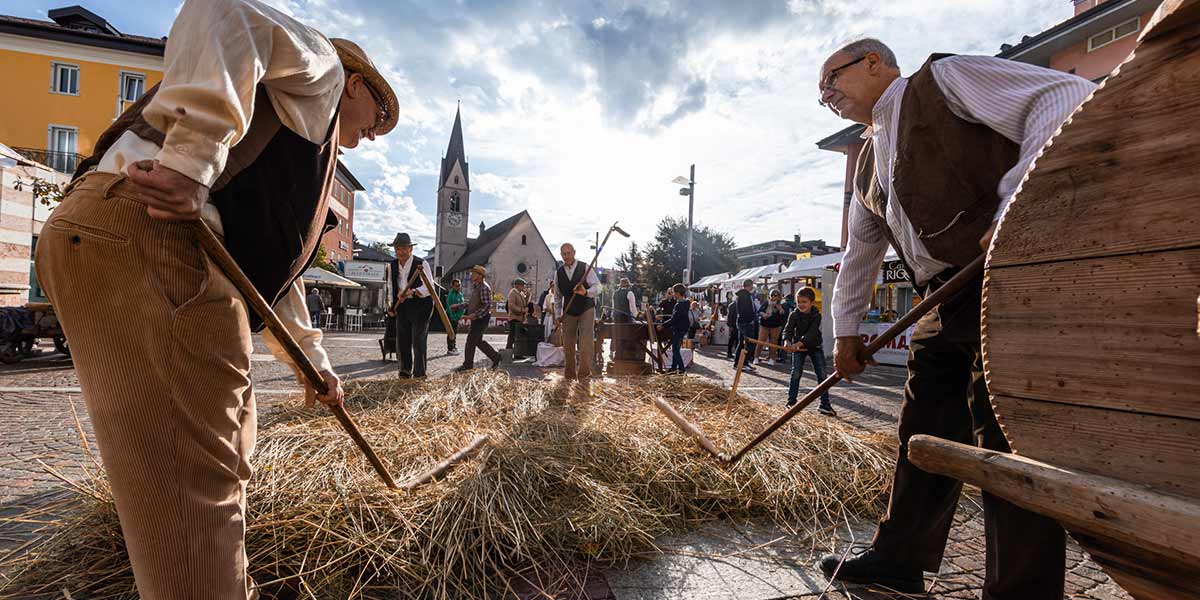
[
  {"x": 479, "y": 269},
  {"x": 355, "y": 60}
]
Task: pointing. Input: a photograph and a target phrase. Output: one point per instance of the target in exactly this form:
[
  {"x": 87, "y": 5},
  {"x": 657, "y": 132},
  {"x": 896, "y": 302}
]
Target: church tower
[{"x": 454, "y": 200}]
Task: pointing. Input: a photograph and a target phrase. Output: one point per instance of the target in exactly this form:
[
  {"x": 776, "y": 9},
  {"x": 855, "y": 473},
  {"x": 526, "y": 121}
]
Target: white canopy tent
[
  {"x": 318, "y": 276},
  {"x": 754, "y": 273},
  {"x": 808, "y": 267},
  {"x": 708, "y": 280}
]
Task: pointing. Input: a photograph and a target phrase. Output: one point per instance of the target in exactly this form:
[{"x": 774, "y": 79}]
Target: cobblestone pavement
[{"x": 40, "y": 447}]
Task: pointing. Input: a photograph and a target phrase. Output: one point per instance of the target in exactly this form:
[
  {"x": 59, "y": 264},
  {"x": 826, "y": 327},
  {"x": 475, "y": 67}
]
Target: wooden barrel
[{"x": 1090, "y": 317}]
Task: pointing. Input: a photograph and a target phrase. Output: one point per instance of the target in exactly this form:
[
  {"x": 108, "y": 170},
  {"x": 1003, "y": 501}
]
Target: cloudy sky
[{"x": 583, "y": 111}]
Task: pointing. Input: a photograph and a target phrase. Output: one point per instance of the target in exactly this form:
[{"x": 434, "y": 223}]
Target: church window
[
  {"x": 522, "y": 240},
  {"x": 522, "y": 268},
  {"x": 456, "y": 180},
  {"x": 455, "y": 203}
]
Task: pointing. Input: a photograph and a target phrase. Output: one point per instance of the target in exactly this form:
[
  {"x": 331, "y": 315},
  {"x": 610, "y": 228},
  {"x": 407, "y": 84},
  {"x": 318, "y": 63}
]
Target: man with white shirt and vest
[
  {"x": 625, "y": 306},
  {"x": 575, "y": 288},
  {"x": 946, "y": 149},
  {"x": 243, "y": 133},
  {"x": 412, "y": 307}
]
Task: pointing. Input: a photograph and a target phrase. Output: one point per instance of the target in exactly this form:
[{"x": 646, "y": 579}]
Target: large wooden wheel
[{"x": 1090, "y": 331}]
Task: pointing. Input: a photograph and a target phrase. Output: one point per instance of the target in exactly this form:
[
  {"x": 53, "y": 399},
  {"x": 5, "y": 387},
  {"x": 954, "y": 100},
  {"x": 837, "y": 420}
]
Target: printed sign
[
  {"x": 893, "y": 271},
  {"x": 896, "y": 352},
  {"x": 362, "y": 270}
]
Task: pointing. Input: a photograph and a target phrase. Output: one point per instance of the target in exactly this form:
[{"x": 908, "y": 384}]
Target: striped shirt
[{"x": 1024, "y": 103}]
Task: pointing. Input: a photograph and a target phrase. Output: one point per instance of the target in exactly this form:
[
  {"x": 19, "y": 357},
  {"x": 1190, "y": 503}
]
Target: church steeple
[
  {"x": 455, "y": 153},
  {"x": 454, "y": 203}
]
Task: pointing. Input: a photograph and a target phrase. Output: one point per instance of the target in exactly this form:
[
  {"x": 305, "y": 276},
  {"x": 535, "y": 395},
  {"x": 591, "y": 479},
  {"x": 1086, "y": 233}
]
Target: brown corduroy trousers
[
  {"x": 161, "y": 344},
  {"x": 579, "y": 331}
]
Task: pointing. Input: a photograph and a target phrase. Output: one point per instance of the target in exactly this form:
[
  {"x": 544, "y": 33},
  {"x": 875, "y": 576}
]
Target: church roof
[
  {"x": 480, "y": 250},
  {"x": 455, "y": 152}
]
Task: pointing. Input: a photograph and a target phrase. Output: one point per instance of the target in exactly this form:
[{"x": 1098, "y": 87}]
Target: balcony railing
[{"x": 63, "y": 162}]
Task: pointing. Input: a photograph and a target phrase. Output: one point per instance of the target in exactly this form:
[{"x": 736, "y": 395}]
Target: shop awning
[
  {"x": 321, "y": 277},
  {"x": 807, "y": 267},
  {"x": 754, "y": 273},
  {"x": 708, "y": 280}
]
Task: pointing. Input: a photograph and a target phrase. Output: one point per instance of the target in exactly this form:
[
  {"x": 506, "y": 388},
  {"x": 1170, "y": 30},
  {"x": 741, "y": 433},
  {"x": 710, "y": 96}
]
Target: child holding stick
[{"x": 803, "y": 334}]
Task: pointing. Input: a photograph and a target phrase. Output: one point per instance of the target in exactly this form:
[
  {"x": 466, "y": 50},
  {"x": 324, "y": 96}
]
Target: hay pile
[{"x": 567, "y": 477}]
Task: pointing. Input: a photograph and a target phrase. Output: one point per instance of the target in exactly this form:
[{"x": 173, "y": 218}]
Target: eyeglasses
[
  {"x": 832, "y": 77},
  {"x": 381, "y": 113}
]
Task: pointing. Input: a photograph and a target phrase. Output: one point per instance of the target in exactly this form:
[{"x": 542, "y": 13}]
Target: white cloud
[{"x": 582, "y": 111}]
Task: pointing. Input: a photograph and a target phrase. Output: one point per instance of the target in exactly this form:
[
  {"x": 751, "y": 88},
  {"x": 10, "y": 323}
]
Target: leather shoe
[{"x": 871, "y": 567}]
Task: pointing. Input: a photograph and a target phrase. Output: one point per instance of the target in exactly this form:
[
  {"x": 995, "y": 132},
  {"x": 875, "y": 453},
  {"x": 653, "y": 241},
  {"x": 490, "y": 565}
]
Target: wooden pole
[
  {"x": 440, "y": 469},
  {"x": 1085, "y": 502},
  {"x": 216, "y": 250},
  {"x": 686, "y": 426},
  {"x": 654, "y": 338},
  {"x": 737, "y": 377},
  {"x": 956, "y": 283},
  {"x": 437, "y": 303}
]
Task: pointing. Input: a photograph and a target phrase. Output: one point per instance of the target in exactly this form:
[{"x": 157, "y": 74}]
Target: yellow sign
[{"x": 803, "y": 255}]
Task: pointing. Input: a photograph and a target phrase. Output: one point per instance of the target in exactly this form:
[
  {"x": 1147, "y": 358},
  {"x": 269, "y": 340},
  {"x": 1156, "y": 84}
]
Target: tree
[
  {"x": 631, "y": 262},
  {"x": 383, "y": 247},
  {"x": 322, "y": 260},
  {"x": 666, "y": 258}
]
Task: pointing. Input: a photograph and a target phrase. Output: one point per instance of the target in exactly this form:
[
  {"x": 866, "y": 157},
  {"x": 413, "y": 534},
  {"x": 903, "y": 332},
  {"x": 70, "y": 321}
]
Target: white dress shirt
[
  {"x": 1024, "y": 103},
  {"x": 633, "y": 305},
  {"x": 217, "y": 54},
  {"x": 591, "y": 282},
  {"x": 406, "y": 272}
]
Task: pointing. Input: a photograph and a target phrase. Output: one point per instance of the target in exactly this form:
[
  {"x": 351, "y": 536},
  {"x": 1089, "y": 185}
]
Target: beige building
[
  {"x": 509, "y": 249},
  {"x": 21, "y": 220}
]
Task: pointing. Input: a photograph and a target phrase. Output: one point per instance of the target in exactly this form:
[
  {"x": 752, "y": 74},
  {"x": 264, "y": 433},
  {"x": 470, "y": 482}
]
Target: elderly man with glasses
[{"x": 946, "y": 148}]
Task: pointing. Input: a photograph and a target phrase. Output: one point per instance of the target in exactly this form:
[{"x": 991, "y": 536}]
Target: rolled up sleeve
[
  {"x": 292, "y": 310},
  {"x": 217, "y": 54}
]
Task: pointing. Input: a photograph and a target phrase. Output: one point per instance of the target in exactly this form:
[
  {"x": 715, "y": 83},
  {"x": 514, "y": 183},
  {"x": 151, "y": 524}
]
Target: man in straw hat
[
  {"x": 243, "y": 133},
  {"x": 479, "y": 313},
  {"x": 963, "y": 130},
  {"x": 411, "y": 307}
]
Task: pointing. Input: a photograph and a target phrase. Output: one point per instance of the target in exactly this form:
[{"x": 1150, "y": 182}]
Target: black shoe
[
  {"x": 382, "y": 350},
  {"x": 870, "y": 567},
  {"x": 405, "y": 375},
  {"x": 463, "y": 368},
  {"x": 790, "y": 403},
  {"x": 827, "y": 411}
]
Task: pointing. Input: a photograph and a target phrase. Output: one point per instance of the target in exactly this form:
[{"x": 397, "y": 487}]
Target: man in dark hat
[
  {"x": 412, "y": 306},
  {"x": 251, "y": 102},
  {"x": 518, "y": 309}
]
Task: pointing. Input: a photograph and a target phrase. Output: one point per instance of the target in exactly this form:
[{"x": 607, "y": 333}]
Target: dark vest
[
  {"x": 273, "y": 195},
  {"x": 621, "y": 303},
  {"x": 412, "y": 304},
  {"x": 566, "y": 288},
  {"x": 945, "y": 174}
]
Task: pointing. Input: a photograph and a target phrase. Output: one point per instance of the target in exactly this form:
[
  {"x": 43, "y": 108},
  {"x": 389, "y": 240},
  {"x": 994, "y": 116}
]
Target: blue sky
[{"x": 583, "y": 111}]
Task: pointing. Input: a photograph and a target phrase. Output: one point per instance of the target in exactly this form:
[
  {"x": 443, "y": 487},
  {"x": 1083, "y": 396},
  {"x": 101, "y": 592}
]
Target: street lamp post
[{"x": 690, "y": 192}]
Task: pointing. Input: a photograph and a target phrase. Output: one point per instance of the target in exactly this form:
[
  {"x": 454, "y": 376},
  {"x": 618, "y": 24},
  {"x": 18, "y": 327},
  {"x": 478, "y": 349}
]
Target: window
[
  {"x": 62, "y": 148},
  {"x": 456, "y": 180},
  {"x": 455, "y": 203},
  {"x": 64, "y": 79},
  {"x": 522, "y": 268},
  {"x": 522, "y": 240},
  {"x": 1109, "y": 36},
  {"x": 133, "y": 85}
]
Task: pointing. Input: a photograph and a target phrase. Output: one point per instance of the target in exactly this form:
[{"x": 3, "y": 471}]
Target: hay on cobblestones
[{"x": 567, "y": 477}]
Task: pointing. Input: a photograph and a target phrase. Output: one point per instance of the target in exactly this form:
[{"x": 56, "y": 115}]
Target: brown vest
[
  {"x": 945, "y": 174},
  {"x": 273, "y": 195}
]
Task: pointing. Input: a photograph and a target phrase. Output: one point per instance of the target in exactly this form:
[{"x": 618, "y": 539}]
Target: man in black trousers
[{"x": 412, "y": 307}]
